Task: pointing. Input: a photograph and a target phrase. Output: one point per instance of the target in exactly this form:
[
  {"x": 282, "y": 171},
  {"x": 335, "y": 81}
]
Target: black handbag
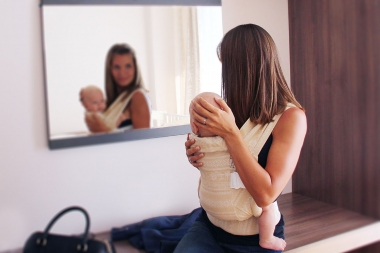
[{"x": 43, "y": 242}]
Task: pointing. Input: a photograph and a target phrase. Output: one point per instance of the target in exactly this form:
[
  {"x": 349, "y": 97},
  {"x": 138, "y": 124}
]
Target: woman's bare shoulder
[
  {"x": 294, "y": 113},
  {"x": 292, "y": 120},
  {"x": 139, "y": 97}
]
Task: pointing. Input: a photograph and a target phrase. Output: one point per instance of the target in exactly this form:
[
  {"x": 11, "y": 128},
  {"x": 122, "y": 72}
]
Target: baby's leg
[{"x": 267, "y": 223}]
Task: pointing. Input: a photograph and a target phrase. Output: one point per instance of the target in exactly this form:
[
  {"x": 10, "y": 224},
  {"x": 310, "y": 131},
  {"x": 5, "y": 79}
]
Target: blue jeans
[{"x": 199, "y": 239}]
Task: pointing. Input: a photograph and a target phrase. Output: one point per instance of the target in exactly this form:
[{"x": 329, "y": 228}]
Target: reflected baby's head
[
  {"x": 209, "y": 97},
  {"x": 92, "y": 98}
]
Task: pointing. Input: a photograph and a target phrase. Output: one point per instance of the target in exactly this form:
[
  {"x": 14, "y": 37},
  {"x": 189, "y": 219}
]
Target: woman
[
  {"x": 254, "y": 91},
  {"x": 123, "y": 77}
]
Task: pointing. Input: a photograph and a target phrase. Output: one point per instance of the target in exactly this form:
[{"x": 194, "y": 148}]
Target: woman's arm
[
  {"x": 139, "y": 111},
  {"x": 288, "y": 136}
]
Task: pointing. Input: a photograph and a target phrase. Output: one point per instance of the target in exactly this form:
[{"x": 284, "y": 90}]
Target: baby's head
[
  {"x": 92, "y": 98},
  {"x": 209, "y": 97}
]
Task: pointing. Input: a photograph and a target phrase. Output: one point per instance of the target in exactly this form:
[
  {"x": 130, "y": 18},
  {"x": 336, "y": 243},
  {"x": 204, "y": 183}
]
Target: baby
[
  {"x": 92, "y": 99},
  {"x": 215, "y": 187}
]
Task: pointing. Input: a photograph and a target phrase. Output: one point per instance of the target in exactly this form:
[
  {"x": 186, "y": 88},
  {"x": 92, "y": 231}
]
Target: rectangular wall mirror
[{"x": 175, "y": 43}]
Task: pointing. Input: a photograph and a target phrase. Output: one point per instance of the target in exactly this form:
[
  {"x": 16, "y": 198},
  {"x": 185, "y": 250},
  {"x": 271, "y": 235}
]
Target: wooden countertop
[
  {"x": 314, "y": 226},
  {"x": 310, "y": 226}
]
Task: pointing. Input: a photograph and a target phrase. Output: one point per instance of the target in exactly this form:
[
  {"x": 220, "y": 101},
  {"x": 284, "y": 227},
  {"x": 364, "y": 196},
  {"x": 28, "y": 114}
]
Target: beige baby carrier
[
  {"x": 111, "y": 116},
  {"x": 222, "y": 194}
]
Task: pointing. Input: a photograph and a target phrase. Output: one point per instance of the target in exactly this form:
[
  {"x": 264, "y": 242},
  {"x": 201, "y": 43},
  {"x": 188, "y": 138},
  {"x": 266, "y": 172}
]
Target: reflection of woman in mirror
[{"x": 123, "y": 78}]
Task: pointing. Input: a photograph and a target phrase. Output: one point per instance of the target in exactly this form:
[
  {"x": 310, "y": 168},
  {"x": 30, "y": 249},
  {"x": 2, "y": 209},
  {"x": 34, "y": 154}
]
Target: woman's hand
[
  {"x": 95, "y": 123},
  {"x": 192, "y": 152},
  {"x": 220, "y": 122}
]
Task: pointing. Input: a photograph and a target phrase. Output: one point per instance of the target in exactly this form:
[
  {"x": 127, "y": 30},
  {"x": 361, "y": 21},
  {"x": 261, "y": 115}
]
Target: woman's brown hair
[
  {"x": 111, "y": 86},
  {"x": 253, "y": 84}
]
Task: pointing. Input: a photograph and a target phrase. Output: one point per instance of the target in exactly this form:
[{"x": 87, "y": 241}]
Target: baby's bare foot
[{"x": 274, "y": 243}]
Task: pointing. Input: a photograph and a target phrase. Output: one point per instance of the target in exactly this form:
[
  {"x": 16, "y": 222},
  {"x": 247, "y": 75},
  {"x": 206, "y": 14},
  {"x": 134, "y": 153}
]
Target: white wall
[
  {"x": 117, "y": 183},
  {"x": 272, "y": 15}
]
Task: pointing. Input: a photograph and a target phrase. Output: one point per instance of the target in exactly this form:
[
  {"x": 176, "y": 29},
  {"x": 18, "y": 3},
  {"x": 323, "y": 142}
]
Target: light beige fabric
[
  {"x": 113, "y": 113},
  {"x": 234, "y": 210}
]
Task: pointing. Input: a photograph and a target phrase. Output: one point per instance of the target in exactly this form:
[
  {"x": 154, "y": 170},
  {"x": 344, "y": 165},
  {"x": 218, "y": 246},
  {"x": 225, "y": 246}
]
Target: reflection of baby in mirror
[
  {"x": 105, "y": 119},
  {"x": 216, "y": 152},
  {"x": 92, "y": 98}
]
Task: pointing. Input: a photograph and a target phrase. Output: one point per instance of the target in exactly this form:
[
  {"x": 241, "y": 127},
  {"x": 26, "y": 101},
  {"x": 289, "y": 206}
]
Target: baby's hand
[
  {"x": 95, "y": 123},
  {"x": 193, "y": 152}
]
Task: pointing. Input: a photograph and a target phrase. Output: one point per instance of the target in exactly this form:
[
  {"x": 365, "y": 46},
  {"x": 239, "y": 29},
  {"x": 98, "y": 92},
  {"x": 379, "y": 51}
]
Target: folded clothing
[{"x": 158, "y": 234}]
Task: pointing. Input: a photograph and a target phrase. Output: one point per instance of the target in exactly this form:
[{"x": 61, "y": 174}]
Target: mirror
[{"x": 175, "y": 44}]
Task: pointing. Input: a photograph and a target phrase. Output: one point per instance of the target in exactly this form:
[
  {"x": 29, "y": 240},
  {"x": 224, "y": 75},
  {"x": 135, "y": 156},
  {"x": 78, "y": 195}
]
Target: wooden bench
[
  {"x": 313, "y": 226},
  {"x": 310, "y": 226}
]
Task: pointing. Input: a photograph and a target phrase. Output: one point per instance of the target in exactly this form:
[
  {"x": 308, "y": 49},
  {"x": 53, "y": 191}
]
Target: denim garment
[
  {"x": 204, "y": 237},
  {"x": 158, "y": 234}
]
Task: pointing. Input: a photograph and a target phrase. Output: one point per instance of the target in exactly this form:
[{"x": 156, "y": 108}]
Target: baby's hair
[
  {"x": 90, "y": 87},
  {"x": 209, "y": 97}
]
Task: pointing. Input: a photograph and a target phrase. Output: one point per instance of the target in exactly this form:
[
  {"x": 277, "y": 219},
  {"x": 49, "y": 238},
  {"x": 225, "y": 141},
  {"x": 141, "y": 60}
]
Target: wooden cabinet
[{"x": 335, "y": 75}]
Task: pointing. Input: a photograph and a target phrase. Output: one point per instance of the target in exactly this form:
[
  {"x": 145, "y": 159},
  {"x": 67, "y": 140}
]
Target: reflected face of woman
[{"x": 123, "y": 69}]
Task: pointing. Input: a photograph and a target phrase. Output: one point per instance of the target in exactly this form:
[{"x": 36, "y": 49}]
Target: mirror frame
[{"x": 137, "y": 134}]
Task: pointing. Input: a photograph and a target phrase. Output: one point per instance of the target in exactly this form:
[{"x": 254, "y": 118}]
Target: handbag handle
[{"x": 56, "y": 217}]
